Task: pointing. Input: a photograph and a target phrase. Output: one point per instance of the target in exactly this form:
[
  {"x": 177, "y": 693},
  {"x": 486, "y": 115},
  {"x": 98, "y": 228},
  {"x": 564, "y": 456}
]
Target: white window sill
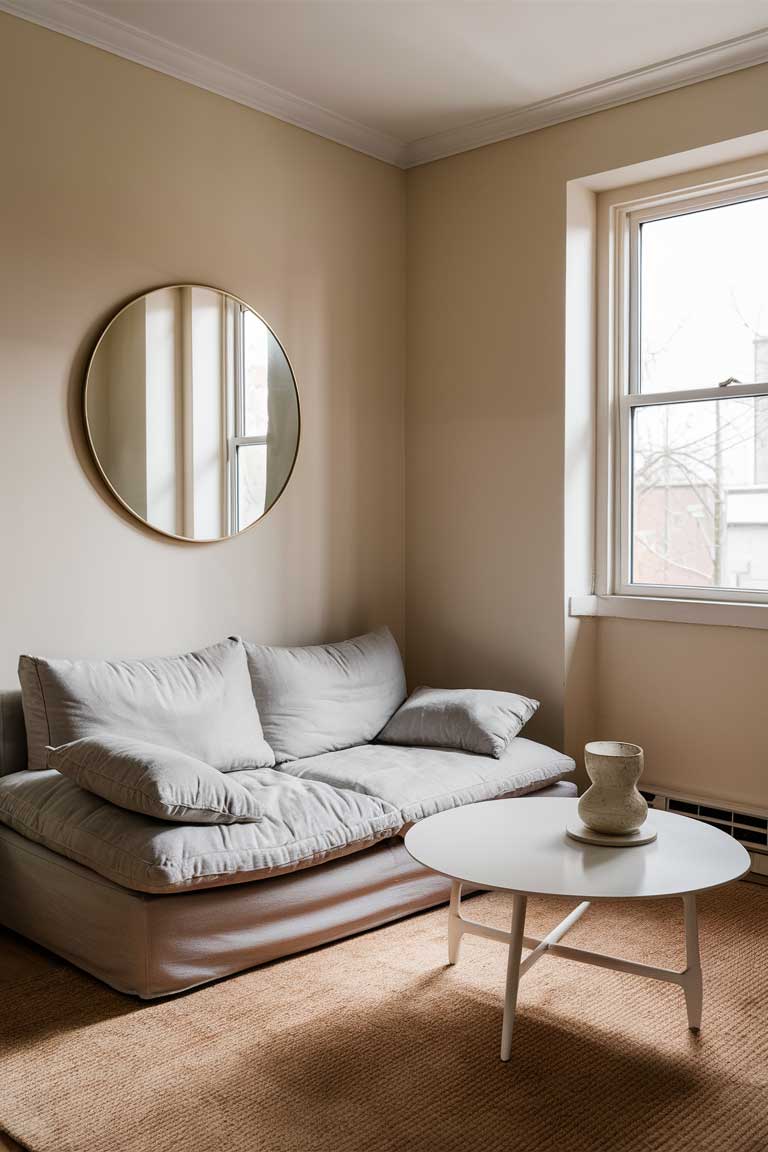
[{"x": 678, "y": 611}]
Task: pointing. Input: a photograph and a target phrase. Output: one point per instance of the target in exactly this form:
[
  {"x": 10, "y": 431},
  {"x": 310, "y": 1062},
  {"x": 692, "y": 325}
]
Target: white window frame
[{"x": 619, "y": 394}]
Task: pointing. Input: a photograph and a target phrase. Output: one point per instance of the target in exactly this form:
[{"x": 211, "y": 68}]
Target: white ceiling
[{"x": 404, "y": 71}]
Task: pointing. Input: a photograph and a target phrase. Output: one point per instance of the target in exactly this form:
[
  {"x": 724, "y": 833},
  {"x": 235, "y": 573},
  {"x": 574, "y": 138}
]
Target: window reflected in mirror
[{"x": 192, "y": 412}]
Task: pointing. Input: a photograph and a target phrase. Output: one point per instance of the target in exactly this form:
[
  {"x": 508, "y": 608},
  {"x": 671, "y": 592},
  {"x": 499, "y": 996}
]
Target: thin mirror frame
[{"x": 92, "y": 448}]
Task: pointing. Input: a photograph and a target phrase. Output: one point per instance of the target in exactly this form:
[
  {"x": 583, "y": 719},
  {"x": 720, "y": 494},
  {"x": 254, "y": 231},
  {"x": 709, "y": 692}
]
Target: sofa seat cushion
[
  {"x": 422, "y": 781},
  {"x": 304, "y": 822}
]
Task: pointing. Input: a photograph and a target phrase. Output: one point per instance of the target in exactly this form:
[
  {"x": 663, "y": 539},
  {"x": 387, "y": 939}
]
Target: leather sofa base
[{"x": 152, "y": 946}]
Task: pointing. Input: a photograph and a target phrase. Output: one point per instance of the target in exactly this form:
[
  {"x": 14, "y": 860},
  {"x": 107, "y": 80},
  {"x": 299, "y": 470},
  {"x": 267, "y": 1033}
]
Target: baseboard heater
[{"x": 749, "y": 827}]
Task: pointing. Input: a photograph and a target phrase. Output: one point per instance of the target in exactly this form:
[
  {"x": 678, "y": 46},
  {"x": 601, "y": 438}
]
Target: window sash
[{"x": 625, "y": 394}]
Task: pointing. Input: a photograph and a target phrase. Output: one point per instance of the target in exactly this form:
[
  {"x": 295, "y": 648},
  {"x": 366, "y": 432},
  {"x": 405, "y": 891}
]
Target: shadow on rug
[{"x": 373, "y": 1044}]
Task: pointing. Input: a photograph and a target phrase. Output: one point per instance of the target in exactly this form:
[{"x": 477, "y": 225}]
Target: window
[
  {"x": 689, "y": 399},
  {"x": 248, "y": 442}
]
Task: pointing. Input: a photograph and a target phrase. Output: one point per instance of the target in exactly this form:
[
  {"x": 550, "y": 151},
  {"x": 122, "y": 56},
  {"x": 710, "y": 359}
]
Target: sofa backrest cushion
[
  {"x": 155, "y": 781},
  {"x": 13, "y": 738},
  {"x": 200, "y": 703},
  {"x": 327, "y": 696}
]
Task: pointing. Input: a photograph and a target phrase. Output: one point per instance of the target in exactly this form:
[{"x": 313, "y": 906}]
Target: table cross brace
[{"x": 689, "y": 979}]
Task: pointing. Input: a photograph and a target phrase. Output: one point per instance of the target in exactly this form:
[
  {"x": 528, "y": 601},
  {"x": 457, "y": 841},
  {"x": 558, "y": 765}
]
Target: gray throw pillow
[
  {"x": 200, "y": 703},
  {"x": 326, "y": 696},
  {"x": 155, "y": 781},
  {"x": 467, "y": 719}
]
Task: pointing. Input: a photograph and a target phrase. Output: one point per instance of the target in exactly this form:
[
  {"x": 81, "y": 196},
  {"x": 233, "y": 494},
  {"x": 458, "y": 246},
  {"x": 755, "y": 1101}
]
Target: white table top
[{"x": 521, "y": 845}]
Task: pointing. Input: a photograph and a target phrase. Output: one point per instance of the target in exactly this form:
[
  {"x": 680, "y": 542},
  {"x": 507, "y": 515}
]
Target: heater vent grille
[{"x": 750, "y": 828}]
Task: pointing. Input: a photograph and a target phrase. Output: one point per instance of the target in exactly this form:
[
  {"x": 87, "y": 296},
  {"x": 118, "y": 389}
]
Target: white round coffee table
[{"x": 520, "y": 846}]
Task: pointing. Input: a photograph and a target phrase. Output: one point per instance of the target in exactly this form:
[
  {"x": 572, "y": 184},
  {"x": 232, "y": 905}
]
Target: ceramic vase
[{"x": 613, "y": 803}]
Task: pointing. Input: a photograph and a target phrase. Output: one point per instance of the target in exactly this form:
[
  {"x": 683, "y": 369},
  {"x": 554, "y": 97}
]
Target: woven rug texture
[{"x": 375, "y": 1045}]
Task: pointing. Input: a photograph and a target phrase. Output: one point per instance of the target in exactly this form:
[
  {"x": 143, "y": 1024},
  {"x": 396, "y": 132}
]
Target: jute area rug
[{"x": 373, "y": 1044}]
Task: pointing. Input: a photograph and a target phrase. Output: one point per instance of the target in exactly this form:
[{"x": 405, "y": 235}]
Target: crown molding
[
  {"x": 112, "y": 35},
  {"x": 677, "y": 72},
  {"x": 82, "y": 23}
]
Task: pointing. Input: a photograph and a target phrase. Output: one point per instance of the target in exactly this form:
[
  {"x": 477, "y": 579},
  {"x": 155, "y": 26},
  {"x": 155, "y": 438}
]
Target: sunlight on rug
[{"x": 374, "y": 1045}]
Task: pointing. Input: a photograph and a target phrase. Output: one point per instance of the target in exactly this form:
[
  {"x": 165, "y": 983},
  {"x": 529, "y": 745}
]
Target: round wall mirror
[{"x": 192, "y": 413}]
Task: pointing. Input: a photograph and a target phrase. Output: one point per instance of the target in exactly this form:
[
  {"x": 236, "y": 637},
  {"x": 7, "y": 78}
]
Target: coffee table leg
[
  {"x": 693, "y": 983},
  {"x": 454, "y": 922},
  {"x": 513, "y": 974}
]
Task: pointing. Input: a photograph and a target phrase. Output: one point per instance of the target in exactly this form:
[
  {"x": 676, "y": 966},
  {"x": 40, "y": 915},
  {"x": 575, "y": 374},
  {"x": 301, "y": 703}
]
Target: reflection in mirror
[{"x": 192, "y": 412}]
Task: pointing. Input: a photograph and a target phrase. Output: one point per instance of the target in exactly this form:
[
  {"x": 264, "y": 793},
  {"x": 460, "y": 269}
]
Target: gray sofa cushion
[
  {"x": 326, "y": 696},
  {"x": 200, "y": 703},
  {"x": 13, "y": 738},
  {"x": 467, "y": 719},
  {"x": 422, "y": 781},
  {"x": 159, "y": 782},
  {"x": 303, "y": 823}
]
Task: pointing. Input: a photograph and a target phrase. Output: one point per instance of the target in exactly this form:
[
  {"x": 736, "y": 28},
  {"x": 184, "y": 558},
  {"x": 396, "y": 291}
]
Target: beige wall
[
  {"x": 694, "y": 697},
  {"x": 488, "y": 479},
  {"x": 117, "y": 179}
]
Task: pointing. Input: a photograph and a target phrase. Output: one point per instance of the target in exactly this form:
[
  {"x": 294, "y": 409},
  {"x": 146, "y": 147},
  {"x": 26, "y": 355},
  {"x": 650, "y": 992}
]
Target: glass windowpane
[
  {"x": 700, "y": 494},
  {"x": 255, "y": 375},
  {"x": 704, "y": 298},
  {"x": 251, "y": 483}
]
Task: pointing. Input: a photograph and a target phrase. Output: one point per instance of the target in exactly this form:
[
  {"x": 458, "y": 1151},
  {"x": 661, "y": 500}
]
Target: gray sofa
[{"x": 153, "y": 907}]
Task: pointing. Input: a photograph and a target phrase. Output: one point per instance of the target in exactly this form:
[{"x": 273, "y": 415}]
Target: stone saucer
[{"x": 643, "y": 835}]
